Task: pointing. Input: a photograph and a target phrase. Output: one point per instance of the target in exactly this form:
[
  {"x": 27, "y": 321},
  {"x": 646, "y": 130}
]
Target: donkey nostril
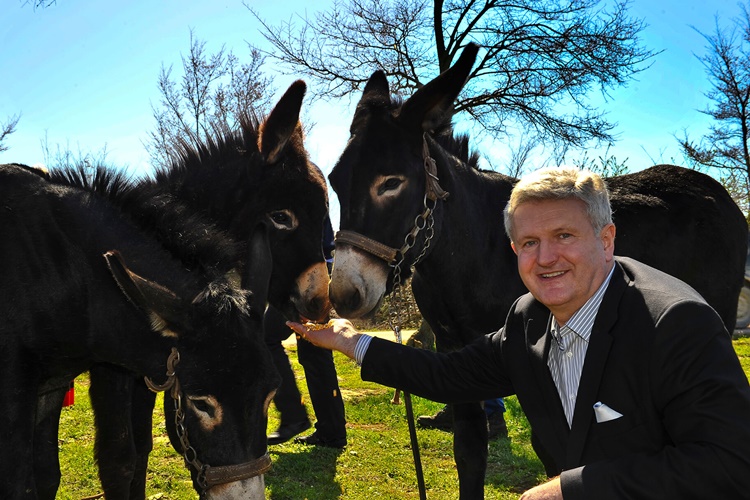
[
  {"x": 354, "y": 301},
  {"x": 322, "y": 306},
  {"x": 317, "y": 309},
  {"x": 346, "y": 299}
]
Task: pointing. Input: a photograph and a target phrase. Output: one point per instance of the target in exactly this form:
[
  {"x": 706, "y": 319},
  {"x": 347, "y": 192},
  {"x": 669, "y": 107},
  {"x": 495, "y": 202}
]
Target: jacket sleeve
[
  {"x": 701, "y": 395},
  {"x": 473, "y": 373}
]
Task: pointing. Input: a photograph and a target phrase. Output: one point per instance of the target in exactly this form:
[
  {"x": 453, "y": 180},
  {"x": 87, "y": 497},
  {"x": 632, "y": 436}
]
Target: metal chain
[
  {"x": 173, "y": 386},
  {"x": 422, "y": 222},
  {"x": 188, "y": 452},
  {"x": 172, "y": 361},
  {"x": 396, "y": 304}
]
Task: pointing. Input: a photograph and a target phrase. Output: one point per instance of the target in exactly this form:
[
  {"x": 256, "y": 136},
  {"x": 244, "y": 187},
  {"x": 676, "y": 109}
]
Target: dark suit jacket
[{"x": 658, "y": 355}]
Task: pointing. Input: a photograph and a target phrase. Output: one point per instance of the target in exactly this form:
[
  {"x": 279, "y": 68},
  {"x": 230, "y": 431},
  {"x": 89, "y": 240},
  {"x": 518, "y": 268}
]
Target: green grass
[{"x": 377, "y": 463}]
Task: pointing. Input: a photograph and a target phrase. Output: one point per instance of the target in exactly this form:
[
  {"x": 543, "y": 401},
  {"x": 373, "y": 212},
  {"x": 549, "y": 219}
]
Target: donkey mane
[
  {"x": 189, "y": 236},
  {"x": 220, "y": 148},
  {"x": 221, "y": 296},
  {"x": 111, "y": 184},
  {"x": 443, "y": 135},
  {"x": 458, "y": 146}
]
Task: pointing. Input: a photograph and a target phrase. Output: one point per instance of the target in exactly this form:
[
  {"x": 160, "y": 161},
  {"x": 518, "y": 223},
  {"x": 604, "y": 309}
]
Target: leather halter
[
  {"x": 231, "y": 473},
  {"x": 207, "y": 475},
  {"x": 369, "y": 245},
  {"x": 433, "y": 192}
]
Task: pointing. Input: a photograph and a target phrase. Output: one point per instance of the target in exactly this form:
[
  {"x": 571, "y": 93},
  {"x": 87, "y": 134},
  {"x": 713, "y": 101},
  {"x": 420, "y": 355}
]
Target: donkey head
[
  {"x": 381, "y": 183},
  {"x": 219, "y": 374},
  {"x": 293, "y": 192},
  {"x": 262, "y": 175}
]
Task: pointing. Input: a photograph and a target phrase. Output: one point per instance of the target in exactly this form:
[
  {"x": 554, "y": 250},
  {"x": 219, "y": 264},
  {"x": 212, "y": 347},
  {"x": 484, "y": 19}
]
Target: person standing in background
[{"x": 320, "y": 376}]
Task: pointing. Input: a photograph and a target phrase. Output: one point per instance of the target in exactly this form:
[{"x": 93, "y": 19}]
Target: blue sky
[{"x": 83, "y": 74}]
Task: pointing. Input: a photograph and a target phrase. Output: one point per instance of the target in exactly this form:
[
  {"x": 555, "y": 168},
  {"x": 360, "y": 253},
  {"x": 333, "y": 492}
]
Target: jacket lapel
[{"x": 600, "y": 343}]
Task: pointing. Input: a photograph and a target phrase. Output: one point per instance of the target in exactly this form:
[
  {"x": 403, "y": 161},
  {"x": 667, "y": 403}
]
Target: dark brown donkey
[{"x": 399, "y": 209}]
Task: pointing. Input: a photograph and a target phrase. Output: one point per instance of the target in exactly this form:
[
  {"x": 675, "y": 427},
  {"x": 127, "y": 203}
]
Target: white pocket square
[{"x": 604, "y": 413}]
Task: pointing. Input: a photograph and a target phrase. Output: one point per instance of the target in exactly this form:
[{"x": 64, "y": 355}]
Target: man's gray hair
[{"x": 557, "y": 183}]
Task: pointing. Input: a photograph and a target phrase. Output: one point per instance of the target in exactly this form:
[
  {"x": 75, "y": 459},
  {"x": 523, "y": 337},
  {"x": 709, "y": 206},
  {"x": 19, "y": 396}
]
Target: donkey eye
[
  {"x": 208, "y": 410},
  {"x": 283, "y": 219},
  {"x": 202, "y": 405},
  {"x": 389, "y": 184}
]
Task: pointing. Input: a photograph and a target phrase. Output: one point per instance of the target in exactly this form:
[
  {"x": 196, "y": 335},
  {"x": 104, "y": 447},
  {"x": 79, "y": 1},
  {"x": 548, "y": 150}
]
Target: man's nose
[{"x": 547, "y": 253}]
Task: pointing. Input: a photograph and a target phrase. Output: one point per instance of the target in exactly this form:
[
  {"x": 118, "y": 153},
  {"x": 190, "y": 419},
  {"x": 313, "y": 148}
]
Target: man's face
[{"x": 560, "y": 259}]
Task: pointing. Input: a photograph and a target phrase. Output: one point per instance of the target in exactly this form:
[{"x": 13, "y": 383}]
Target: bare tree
[
  {"x": 59, "y": 156},
  {"x": 541, "y": 58},
  {"x": 725, "y": 147},
  {"x": 606, "y": 165},
  {"x": 6, "y": 129},
  {"x": 38, "y": 4},
  {"x": 214, "y": 90}
]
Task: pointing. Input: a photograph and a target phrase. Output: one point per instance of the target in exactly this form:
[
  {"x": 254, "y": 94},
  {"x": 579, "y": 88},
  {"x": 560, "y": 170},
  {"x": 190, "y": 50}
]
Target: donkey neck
[
  {"x": 186, "y": 231},
  {"x": 471, "y": 219},
  {"x": 207, "y": 188},
  {"x": 468, "y": 282}
]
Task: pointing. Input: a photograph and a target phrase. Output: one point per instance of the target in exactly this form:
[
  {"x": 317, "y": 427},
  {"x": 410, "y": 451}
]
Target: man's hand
[
  {"x": 551, "y": 490},
  {"x": 340, "y": 336}
]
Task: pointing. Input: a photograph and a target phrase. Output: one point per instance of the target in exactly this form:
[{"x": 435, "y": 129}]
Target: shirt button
[{"x": 569, "y": 354}]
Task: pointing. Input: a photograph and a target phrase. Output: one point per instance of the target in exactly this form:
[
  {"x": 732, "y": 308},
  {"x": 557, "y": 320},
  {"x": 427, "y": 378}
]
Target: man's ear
[
  {"x": 608, "y": 240},
  {"x": 513, "y": 246}
]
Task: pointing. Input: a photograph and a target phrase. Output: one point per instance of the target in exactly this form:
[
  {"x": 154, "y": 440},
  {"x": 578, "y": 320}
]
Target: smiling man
[
  {"x": 562, "y": 259},
  {"x": 628, "y": 378}
]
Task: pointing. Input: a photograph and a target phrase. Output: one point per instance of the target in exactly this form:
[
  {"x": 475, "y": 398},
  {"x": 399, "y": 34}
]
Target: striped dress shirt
[{"x": 568, "y": 350}]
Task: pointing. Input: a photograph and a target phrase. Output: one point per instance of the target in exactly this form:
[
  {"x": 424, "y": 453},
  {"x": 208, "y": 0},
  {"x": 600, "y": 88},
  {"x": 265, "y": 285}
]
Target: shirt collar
[{"x": 582, "y": 321}]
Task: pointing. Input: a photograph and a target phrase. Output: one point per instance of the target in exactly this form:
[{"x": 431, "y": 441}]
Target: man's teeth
[{"x": 552, "y": 275}]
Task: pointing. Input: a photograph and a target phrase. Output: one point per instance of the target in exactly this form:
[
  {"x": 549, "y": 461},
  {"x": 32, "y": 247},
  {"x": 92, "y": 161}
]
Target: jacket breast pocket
[{"x": 627, "y": 434}]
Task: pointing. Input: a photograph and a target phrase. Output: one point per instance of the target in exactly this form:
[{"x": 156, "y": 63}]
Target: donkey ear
[
  {"x": 257, "y": 276},
  {"x": 162, "y": 304},
  {"x": 376, "y": 93},
  {"x": 282, "y": 123},
  {"x": 376, "y": 86},
  {"x": 432, "y": 105}
]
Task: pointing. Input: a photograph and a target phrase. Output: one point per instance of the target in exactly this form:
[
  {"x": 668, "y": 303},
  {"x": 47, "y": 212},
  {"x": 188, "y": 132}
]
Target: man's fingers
[{"x": 298, "y": 328}]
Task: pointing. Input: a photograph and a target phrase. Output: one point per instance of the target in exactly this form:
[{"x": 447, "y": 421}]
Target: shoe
[
  {"x": 442, "y": 420},
  {"x": 496, "y": 425},
  {"x": 285, "y": 432},
  {"x": 314, "y": 439}
]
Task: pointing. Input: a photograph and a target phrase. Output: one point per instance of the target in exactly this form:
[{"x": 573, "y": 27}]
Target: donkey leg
[
  {"x": 19, "y": 395},
  {"x": 142, "y": 420},
  {"x": 110, "y": 392},
  {"x": 470, "y": 449},
  {"x": 46, "y": 426}
]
